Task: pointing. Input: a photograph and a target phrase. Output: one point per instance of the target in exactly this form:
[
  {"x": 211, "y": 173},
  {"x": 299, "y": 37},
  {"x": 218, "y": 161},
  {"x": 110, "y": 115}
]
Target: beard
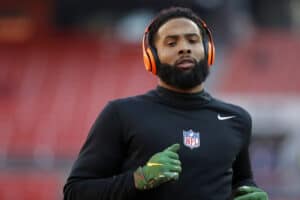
[{"x": 183, "y": 79}]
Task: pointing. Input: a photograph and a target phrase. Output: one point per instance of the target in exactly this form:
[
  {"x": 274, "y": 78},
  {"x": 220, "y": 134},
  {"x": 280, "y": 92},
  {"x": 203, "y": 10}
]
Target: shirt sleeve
[
  {"x": 96, "y": 174},
  {"x": 242, "y": 172}
]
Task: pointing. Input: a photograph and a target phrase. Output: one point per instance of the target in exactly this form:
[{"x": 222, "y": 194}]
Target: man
[{"x": 174, "y": 142}]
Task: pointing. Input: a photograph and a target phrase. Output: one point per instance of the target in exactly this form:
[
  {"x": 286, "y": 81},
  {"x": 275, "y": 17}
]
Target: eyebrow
[{"x": 186, "y": 35}]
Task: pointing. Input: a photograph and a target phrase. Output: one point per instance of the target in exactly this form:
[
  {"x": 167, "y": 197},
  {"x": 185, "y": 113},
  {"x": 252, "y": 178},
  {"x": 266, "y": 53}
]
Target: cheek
[
  {"x": 199, "y": 52},
  {"x": 167, "y": 56}
]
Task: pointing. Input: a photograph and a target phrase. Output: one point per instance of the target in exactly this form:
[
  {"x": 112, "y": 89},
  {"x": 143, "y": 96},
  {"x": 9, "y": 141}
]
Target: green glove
[
  {"x": 250, "y": 193},
  {"x": 162, "y": 167}
]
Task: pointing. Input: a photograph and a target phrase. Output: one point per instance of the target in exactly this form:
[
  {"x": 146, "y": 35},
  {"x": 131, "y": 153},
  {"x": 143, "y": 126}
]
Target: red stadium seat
[
  {"x": 266, "y": 63},
  {"x": 30, "y": 186},
  {"x": 59, "y": 88}
]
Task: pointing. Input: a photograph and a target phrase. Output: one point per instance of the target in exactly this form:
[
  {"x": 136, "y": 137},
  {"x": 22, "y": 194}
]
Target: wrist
[{"x": 139, "y": 179}]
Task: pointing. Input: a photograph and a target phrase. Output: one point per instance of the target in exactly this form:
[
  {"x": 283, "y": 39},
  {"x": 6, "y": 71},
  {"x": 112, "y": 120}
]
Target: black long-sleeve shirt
[{"x": 214, "y": 138}]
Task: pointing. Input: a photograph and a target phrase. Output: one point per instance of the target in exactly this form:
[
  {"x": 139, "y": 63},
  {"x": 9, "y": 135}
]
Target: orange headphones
[{"x": 151, "y": 58}]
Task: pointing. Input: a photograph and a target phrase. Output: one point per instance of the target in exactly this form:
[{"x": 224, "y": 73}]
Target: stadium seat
[
  {"x": 59, "y": 88},
  {"x": 257, "y": 64},
  {"x": 30, "y": 186}
]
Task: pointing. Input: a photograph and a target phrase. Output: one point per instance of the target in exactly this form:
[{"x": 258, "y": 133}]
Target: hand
[
  {"x": 162, "y": 167},
  {"x": 250, "y": 193}
]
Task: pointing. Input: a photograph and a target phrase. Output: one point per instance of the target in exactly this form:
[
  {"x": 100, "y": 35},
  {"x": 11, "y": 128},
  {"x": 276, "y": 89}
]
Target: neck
[{"x": 197, "y": 88}]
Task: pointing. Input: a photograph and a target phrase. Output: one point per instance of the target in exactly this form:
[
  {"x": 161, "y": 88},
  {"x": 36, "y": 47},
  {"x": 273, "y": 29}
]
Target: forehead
[{"x": 178, "y": 26}]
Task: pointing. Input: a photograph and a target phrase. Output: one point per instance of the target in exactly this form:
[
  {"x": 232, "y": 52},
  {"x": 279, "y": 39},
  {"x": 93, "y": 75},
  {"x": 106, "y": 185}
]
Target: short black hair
[{"x": 170, "y": 13}]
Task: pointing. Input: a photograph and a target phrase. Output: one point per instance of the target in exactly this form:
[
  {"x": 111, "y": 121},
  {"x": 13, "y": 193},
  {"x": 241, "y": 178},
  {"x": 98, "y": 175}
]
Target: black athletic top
[{"x": 214, "y": 138}]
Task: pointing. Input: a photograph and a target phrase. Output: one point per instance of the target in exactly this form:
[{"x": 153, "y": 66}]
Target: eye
[
  {"x": 193, "y": 40},
  {"x": 171, "y": 44}
]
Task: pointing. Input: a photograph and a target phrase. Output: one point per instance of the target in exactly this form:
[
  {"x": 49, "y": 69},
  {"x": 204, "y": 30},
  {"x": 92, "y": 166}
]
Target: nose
[{"x": 184, "y": 49}]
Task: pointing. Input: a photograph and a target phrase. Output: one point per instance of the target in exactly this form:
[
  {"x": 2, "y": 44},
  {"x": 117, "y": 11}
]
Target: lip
[{"x": 185, "y": 63}]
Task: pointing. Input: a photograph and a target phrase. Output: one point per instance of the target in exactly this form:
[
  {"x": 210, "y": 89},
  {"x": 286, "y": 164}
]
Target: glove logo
[{"x": 191, "y": 139}]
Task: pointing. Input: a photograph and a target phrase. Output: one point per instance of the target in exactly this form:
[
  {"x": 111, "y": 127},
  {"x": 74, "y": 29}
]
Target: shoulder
[
  {"x": 232, "y": 109},
  {"x": 129, "y": 104},
  {"x": 129, "y": 109},
  {"x": 127, "y": 101}
]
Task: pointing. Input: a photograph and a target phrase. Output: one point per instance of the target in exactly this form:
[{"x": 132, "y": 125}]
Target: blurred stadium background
[{"x": 62, "y": 60}]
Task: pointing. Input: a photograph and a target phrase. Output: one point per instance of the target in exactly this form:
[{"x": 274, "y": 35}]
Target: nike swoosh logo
[{"x": 225, "y": 117}]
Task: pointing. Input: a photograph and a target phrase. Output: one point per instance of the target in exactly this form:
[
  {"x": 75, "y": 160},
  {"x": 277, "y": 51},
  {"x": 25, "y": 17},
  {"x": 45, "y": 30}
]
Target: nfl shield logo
[{"x": 191, "y": 139}]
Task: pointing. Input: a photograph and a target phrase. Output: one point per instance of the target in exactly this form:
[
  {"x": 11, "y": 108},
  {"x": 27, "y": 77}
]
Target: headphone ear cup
[
  {"x": 148, "y": 54},
  {"x": 149, "y": 60},
  {"x": 211, "y": 53},
  {"x": 208, "y": 44},
  {"x": 152, "y": 60}
]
